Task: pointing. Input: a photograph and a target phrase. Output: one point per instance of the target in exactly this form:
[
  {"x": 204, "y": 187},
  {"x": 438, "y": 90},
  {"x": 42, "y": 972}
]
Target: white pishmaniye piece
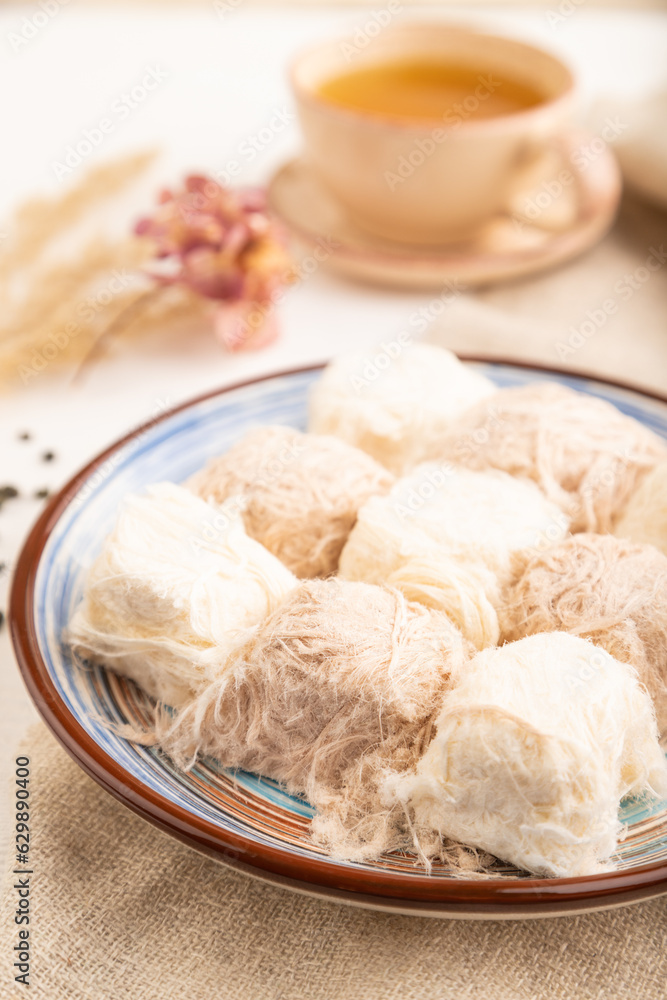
[
  {"x": 645, "y": 516},
  {"x": 396, "y": 401},
  {"x": 536, "y": 744},
  {"x": 447, "y": 537},
  {"x": 175, "y": 588}
]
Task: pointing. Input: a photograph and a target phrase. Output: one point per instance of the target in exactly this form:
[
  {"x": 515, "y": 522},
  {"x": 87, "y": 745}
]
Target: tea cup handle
[{"x": 543, "y": 190}]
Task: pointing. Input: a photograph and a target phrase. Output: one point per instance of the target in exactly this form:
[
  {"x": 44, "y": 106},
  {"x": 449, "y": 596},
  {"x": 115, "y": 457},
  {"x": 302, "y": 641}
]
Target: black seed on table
[
  {"x": 48, "y": 456},
  {"x": 7, "y": 493},
  {"x": 2, "y": 619},
  {"x": 41, "y": 494},
  {"x": 25, "y": 436}
]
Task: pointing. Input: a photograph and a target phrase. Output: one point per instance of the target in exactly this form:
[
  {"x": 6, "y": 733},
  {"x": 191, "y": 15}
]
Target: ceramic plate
[
  {"x": 564, "y": 204},
  {"x": 241, "y": 819}
]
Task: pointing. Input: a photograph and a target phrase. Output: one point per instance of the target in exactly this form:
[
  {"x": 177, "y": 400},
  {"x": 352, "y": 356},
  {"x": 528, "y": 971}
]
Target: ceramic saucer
[{"x": 562, "y": 205}]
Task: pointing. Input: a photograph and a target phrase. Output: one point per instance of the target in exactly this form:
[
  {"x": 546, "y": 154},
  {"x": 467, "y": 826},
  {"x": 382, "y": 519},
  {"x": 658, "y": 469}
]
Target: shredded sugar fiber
[
  {"x": 336, "y": 690},
  {"x": 536, "y": 744},
  {"x": 396, "y": 403},
  {"x": 605, "y": 589},
  {"x": 167, "y": 599},
  {"x": 645, "y": 516},
  {"x": 583, "y": 453},
  {"x": 447, "y": 536},
  {"x": 300, "y": 493}
]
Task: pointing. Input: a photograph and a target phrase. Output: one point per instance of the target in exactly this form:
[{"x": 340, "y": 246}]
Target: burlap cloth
[{"x": 122, "y": 911}]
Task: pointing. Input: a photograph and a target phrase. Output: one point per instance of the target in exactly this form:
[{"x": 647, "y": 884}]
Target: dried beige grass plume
[{"x": 57, "y": 302}]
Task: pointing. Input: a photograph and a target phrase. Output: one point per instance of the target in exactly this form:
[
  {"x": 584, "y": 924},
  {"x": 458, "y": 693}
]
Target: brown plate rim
[{"x": 491, "y": 898}]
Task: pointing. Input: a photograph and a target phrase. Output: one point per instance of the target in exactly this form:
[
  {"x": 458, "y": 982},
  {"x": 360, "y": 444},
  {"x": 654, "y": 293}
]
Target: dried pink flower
[
  {"x": 222, "y": 244},
  {"x": 245, "y": 325}
]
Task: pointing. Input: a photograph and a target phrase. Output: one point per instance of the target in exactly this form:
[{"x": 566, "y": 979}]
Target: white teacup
[{"x": 427, "y": 181}]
